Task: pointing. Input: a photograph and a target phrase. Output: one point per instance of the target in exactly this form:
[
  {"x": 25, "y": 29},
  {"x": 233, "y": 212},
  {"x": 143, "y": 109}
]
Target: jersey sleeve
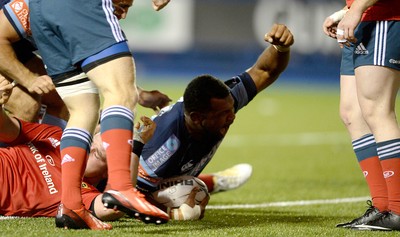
[
  {"x": 17, "y": 12},
  {"x": 35, "y": 132},
  {"x": 243, "y": 89}
]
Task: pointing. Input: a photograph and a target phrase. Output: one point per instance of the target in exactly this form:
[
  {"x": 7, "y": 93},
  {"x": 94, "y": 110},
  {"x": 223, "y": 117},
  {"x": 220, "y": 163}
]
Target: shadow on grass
[{"x": 220, "y": 220}]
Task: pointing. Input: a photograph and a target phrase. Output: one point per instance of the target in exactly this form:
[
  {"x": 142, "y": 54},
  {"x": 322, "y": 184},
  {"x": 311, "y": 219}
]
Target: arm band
[
  {"x": 338, "y": 16},
  {"x": 281, "y": 49},
  {"x": 137, "y": 147}
]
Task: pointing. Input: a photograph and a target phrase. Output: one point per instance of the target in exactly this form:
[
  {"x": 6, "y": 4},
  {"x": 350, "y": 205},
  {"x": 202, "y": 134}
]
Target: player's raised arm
[{"x": 274, "y": 59}]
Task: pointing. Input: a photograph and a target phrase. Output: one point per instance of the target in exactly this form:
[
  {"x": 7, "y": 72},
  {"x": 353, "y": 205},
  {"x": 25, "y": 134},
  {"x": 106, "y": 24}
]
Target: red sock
[
  {"x": 208, "y": 179},
  {"x": 72, "y": 167},
  {"x": 391, "y": 172},
  {"x": 118, "y": 151},
  {"x": 372, "y": 170}
]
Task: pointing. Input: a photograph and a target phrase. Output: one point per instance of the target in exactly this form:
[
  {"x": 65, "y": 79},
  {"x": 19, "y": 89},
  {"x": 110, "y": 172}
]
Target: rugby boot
[
  {"x": 387, "y": 222},
  {"x": 231, "y": 178},
  {"x": 133, "y": 203},
  {"x": 371, "y": 214},
  {"x": 78, "y": 219}
]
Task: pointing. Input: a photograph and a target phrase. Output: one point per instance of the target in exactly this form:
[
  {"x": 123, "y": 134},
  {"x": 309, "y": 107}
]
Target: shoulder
[
  {"x": 17, "y": 12},
  {"x": 242, "y": 89}
]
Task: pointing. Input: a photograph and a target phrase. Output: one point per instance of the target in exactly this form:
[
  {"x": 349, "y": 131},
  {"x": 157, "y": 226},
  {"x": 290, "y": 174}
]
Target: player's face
[
  {"x": 96, "y": 168},
  {"x": 220, "y": 117},
  {"x": 121, "y": 8}
]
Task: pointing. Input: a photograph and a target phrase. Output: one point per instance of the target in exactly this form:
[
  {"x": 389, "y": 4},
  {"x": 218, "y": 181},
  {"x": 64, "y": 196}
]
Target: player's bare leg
[{"x": 116, "y": 82}]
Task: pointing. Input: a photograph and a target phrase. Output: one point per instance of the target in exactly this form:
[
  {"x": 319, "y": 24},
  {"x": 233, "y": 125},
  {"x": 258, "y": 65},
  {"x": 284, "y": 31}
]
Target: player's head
[
  {"x": 209, "y": 105},
  {"x": 121, "y": 8},
  {"x": 96, "y": 168}
]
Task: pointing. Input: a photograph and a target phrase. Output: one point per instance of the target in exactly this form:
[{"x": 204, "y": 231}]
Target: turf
[{"x": 299, "y": 150}]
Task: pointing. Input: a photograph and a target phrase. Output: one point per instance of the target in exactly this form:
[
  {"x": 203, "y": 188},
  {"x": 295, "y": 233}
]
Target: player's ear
[{"x": 196, "y": 117}]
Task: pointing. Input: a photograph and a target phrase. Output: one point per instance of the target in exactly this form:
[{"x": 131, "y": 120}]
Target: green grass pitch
[{"x": 299, "y": 150}]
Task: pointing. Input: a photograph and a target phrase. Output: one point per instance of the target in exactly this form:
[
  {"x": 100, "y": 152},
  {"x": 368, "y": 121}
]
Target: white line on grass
[
  {"x": 289, "y": 203},
  {"x": 268, "y": 204},
  {"x": 289, "y": 139}
]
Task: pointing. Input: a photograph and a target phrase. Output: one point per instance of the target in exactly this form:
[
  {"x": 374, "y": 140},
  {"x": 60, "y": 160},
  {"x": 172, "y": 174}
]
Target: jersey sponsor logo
[
  {"x": 43, "y": 168},
  {"x": 388, "y": 174},
  {"x": 163, "y": 153},
  {"x": 394, "y": 61},
  {"x": 67, "y": 158},
  {"x": 21, "y": 11},
  {"x": 85, "y": 185},
  {"x": 50, "y": 160}
]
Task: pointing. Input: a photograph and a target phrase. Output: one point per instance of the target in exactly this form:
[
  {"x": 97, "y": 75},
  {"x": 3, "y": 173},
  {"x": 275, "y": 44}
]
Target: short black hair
[{"x": 201, "y": 90}]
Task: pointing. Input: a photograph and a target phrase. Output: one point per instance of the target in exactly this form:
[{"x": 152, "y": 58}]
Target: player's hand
[
  {"x": 153, "y": 99},
  {"x": 5, "y": 90},
  {"x": 329, "y": 27},
  {"x": 346, "y": 27},
  {"x": 280, "y": 36},
  {"x": 203, "y": 205},
  {"x": 144, "y": 132},
  {"x": 160, "y": 4},
  {"x": 330, "y": 24},
  {"x": 41, "y": 85},
  {"x": 190, "y": 210}
]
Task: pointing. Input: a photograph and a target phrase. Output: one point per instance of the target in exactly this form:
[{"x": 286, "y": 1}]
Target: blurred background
[{"x": 224, "y": 37}]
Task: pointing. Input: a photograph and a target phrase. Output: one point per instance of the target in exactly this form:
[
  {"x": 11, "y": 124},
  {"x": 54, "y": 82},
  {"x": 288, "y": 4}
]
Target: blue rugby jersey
[{"x": 172, "y": 152}]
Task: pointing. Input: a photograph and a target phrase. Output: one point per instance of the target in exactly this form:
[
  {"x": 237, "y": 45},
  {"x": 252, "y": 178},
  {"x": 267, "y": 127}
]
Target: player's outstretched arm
[
  {"x": 153, "y": 99},
  {"x": 274, "y": 59},
  {"x": 9, "y": 127}
]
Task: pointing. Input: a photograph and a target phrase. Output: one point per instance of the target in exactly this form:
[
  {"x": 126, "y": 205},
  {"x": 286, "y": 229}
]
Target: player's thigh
[
  {"x": 84, "y": 110},
  {"x": 116, "y": 81},
  {"x": 377, "y": 87}
]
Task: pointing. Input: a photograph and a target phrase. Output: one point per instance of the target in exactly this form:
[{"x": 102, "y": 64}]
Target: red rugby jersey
[
  {"x": 30, "y": 173},
  {"x": 381, "y": 10}
]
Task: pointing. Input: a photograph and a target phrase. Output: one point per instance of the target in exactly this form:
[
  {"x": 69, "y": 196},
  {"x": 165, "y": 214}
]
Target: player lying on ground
[
  {"x": 31, "y": 172},
  {"x": 189, "y": 132}
]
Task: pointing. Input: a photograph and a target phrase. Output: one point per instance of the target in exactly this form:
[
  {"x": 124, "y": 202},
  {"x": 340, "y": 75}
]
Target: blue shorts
[
  {"x": 67, "y": 32},
  {"x": 347, "y": 63},
  {"x": 377, "y": 44}
]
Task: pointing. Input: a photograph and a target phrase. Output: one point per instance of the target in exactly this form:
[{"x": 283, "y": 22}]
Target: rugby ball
[{"x": 173, "y": 192}]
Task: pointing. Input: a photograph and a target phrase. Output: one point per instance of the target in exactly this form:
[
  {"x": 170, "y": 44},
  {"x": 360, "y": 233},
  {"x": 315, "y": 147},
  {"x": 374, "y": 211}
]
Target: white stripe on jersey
[{"x": 112, "y": 20}]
